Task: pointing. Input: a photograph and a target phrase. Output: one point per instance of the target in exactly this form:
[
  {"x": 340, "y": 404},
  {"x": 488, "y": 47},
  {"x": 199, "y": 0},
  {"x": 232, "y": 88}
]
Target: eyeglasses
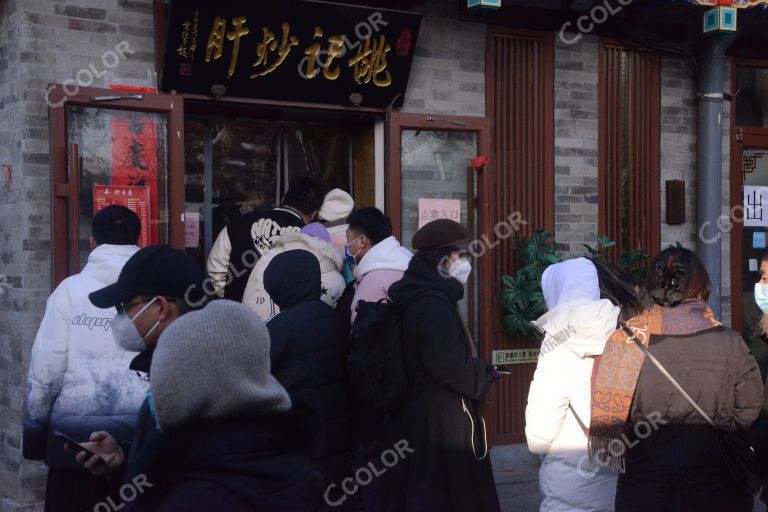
[{"x": 121, "y": 308}]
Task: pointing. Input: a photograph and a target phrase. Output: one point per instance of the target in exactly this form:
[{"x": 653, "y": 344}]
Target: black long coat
[
  {"x": 307, "y": 355},
  {"x": 443, "y": 471}
]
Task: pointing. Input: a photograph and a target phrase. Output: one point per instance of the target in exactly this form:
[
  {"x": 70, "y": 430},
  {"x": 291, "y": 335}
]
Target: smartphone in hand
[{"x": 64, "y": 438}]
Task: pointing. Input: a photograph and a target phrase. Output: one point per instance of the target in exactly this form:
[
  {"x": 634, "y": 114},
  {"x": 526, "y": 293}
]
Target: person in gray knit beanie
[{"x": 212, "y": 364}]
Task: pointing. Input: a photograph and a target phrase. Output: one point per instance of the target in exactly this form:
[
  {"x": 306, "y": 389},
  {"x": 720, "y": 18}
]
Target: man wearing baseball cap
[{"x": 157, "y": 285}]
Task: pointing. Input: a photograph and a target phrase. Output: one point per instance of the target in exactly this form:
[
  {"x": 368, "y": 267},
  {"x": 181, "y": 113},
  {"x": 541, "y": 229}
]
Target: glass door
[
  {"x": 437, "y": 182},
  {"x": 238, "y": 163},
  {"x": 111, "y": 147},
  {"x": 749, "y": 198},
  {"x": 753, "y": 232},
  {"x": 431, "y": 177}
]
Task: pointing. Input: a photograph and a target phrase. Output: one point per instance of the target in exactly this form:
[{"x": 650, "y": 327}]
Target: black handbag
[{"x": 748, "y": 471}]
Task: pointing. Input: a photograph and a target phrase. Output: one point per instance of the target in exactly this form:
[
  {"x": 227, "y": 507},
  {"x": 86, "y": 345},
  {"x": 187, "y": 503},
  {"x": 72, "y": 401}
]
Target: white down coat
[
  {"x": 79, "y": 381},
  {"x": 576, "y": 332},
  {"x": 257, "y": 298}
]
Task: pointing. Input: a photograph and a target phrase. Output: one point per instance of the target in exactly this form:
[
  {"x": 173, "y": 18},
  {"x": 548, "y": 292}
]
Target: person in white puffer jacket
[
  {"x": 313, "y": 238},
  {"x": 576, "y": 328},
  {"x": 79, "y": 381}
]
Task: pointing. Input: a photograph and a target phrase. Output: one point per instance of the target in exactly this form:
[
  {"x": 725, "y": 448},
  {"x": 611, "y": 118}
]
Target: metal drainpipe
[{"x": 709, "y": 174}]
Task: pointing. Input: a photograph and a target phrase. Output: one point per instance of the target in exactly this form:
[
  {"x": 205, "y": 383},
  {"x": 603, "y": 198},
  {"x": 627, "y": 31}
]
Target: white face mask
[
  {"x": 460, "y": 270},
  {"x": 125, "y": 333},
  {"x": 761, "y": 296}
]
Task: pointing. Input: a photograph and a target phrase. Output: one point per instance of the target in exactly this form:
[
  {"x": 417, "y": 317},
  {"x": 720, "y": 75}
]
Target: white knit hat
[
  {"x": 214, "y": 363},
  {"x": 337, "y": 205}
]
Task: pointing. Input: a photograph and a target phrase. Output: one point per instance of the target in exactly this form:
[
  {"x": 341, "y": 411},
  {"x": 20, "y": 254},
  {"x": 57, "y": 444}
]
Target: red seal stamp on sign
[{"x": 404, "y": 42}]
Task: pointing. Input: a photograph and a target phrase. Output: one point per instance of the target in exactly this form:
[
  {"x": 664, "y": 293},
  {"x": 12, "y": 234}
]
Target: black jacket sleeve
[{"x": 444, "y": 352}]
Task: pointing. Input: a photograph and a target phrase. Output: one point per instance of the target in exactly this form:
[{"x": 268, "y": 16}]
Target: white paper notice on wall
[
  {"x": 753, "y": 265},
  {"x": 433, "y": 209},
  {"x": 755, "y": 206},
  {"x": 191, "y": 229}
]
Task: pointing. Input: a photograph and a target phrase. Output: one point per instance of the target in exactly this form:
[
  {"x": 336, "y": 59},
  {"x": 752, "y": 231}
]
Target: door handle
[
  {"x": 117, "y": 98},
  {"x": 74, "y": 207}
]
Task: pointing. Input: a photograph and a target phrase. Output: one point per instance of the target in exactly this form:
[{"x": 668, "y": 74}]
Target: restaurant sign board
[{"x": 291, "y": 50}]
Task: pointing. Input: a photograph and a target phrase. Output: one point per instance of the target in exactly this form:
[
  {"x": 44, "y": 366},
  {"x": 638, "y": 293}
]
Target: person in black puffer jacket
[
  {"x": 308, "y": 338},
  {"x": 444, "y": 463}
]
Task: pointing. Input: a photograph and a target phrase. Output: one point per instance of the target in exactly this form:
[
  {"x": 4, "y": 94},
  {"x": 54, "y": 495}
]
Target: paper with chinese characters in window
[
  {"x": 135, "y": 199},
  {"x": 755, "y": 206},
  {"x": 134, "y": 159},
  {"x": 191, "y": 229},
  {"x": 433, "y": 209}
]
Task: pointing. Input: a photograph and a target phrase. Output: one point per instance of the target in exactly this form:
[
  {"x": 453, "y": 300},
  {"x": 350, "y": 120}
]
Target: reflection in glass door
[
  {"x": 754, "y": 169},
  {"x": 435, "y": 165},
  {"x": 119, "y": 157},
  {"x": 237, "y": 164}
]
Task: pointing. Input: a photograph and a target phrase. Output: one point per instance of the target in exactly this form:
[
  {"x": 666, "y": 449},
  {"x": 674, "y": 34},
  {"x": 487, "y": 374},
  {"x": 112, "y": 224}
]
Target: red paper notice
[
  {"x": 135, "y": 199},
  {"x": 134, "y": 158}
]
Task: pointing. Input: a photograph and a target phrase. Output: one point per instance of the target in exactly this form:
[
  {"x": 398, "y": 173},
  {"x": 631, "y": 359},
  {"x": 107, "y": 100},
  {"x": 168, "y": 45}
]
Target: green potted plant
[
  {"x": 521, "y": 298},
  {"x": 633, "y": 261}
]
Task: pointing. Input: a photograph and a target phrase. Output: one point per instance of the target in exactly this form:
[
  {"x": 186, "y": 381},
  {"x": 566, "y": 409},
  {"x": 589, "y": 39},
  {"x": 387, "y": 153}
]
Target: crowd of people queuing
[{"x": 153, "y": 386}]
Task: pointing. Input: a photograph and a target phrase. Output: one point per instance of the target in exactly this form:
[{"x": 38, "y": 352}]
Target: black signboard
[{"x": 291, "y": 50}]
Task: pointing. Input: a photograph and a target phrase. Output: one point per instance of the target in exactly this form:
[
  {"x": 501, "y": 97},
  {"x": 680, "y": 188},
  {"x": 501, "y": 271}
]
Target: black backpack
[{"x": 375, "y": 356}]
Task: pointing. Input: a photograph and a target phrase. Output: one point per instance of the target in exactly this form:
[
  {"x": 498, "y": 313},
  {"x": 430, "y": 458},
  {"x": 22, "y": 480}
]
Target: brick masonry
[
  {"x": 679, "y": 126},
  {"x": 576, "y": 130},
  {"x": 576, "y": 165},
  {"x": 44, "y": 42},
  {"x": 448, "y": 75}
]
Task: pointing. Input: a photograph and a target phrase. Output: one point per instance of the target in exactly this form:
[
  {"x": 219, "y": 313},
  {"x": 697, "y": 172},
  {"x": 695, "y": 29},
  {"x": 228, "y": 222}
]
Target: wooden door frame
[
  {"x": 398, "y": 122},
  {"x": 64, "y": 201},
  {"x": 741, "y": 137}
]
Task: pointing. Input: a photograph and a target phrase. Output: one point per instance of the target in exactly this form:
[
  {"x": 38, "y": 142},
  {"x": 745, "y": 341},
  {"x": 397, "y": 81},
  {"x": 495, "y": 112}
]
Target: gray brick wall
[
  {"x": 448, "y": 74},
  {"x": 44, "y": 42},
  {"x": 12, "y": 265},
  {"x": 679, "y": 125},
  {"x": 576, "y": 106}
]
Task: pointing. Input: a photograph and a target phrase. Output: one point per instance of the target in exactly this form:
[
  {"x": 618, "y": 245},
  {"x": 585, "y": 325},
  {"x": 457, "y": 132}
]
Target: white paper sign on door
[
  {"x": 433, "y": 209},
  {"x": 191, "y": 229},
  {"x": 755, "y": 206}
]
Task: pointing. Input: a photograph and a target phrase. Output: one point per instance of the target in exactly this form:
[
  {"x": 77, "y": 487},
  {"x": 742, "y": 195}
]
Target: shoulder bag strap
[
  {"x": 583, "y": 427},
  {"x": 669, "y": 377}
]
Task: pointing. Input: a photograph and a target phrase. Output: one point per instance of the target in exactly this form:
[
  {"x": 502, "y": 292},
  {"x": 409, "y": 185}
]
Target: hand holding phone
[
  {"x": 102, "y": 456},
  {"x": 71, "y": 445},
  {"x": 108, "y": 455}
]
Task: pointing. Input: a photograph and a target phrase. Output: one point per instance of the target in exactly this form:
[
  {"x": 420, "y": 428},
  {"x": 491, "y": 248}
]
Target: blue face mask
[
  {"x": 761, "y": 296},
  {"x": 349, "y": 264},
  {"x": 348, "y": 255}
]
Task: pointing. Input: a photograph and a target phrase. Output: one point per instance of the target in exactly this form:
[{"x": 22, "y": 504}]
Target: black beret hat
[{"x": 440, "y": 233}]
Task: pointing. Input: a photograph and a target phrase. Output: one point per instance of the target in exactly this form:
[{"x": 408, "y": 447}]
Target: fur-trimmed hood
[
  {"x": 764, "y": 325},
  {"x": 331, "y": 264},
  {"x": 329, "y": 257}
]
